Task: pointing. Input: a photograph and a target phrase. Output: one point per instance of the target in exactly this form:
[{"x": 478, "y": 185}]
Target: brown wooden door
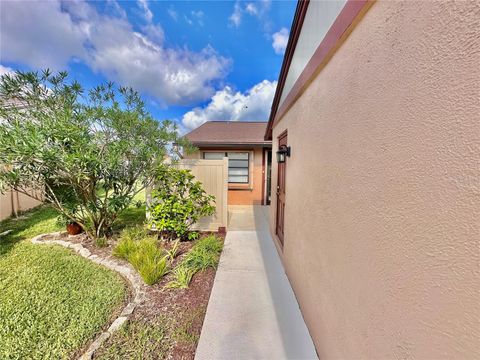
[{"x": 282, "y": 169}]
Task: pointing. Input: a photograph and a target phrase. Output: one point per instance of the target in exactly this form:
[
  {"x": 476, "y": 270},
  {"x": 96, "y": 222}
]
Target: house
[
  {"x": 249, "y": 157},
  {"x": 375, "y": 126}
]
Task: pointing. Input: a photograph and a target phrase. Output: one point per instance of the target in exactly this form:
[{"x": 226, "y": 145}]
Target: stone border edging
[{"x": 126, "y": 271}]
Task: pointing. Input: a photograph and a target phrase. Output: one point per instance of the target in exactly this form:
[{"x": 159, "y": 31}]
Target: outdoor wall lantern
[{"x": 282, "y": 153}]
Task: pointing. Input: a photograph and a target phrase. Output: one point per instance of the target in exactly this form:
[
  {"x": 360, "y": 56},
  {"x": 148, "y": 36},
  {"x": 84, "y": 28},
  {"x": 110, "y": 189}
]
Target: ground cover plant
[
  {"x": 86, "y": 153},
  {"x": 52, "y": 301},
  {"x": 168, "y": 325},
  {"x": 142, "y": 250},
  {"x": 204, "y": 254}
]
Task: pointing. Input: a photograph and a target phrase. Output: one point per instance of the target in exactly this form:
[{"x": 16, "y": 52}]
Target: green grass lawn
[{"x": 52, "y": 301}]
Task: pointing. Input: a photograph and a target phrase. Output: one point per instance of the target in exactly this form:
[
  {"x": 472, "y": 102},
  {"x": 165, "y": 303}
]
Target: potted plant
[{"x": 73, "y": 228}]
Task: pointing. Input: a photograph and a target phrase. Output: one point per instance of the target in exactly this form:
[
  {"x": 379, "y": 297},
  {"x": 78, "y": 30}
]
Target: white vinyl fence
[{"x": 213, "y": 174}]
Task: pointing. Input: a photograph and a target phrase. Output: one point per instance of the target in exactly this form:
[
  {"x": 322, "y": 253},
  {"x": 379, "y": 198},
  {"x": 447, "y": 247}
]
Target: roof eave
[
  {"x": 230, "y": 144},
  {"x": 296, "y": 27}
]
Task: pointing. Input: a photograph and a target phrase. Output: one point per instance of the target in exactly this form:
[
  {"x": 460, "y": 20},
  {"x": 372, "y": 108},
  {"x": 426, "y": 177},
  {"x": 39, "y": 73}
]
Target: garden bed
[
  {"x": 168, "y": 323},
  {"x": 174, "y": 316}
]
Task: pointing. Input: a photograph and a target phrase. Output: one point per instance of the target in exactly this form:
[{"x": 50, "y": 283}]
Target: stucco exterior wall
[
  {"x": 249, "y": 194},
  {"x": 12, "y": 202},
  {"x": 383, "y": 188}
]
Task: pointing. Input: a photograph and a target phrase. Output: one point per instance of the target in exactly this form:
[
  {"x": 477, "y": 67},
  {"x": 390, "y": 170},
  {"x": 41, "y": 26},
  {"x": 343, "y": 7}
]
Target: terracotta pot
[{"x": 73, "y": 228}]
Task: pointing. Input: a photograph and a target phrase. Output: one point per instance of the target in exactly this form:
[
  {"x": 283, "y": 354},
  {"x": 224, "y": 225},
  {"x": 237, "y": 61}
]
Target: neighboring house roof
[{"x": 216, "y": 133}]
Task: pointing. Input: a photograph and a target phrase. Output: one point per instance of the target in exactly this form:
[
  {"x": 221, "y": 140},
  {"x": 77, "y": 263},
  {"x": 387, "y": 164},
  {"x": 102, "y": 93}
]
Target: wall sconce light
[{"x": 282, "y": 153}]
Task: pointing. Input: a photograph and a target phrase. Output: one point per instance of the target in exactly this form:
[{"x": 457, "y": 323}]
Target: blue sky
[{"x": 191, "y": 60}]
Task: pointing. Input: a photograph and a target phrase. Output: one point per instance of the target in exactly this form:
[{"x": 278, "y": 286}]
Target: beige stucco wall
[
  {"x": 383, "y": 188},
  {"x": 12, "y": 202}
]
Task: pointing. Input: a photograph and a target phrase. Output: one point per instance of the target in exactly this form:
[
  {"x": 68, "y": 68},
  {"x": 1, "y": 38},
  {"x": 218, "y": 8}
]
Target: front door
[{"x": 282, "y": 169}]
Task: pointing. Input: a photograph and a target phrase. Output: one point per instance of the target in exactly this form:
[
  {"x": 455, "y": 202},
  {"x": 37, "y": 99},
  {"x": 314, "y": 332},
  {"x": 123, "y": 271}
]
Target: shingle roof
[{"x": 229, "y": 133}]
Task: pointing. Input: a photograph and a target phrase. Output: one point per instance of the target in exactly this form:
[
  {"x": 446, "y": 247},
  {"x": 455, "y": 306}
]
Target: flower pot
[{"x": 73, "y": 228}]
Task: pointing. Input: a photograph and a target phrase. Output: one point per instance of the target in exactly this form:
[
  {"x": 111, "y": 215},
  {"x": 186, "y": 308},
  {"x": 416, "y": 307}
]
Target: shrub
[
  {"x": 204, "y": 254},
  {"x": 178, "y": 202},
  {"x": 86, "y": 153},
  {"x": 142, "y": 251}
]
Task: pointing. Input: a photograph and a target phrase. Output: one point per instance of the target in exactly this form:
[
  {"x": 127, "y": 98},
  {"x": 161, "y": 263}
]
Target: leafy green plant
[
  {"x": 152, "y": 267},
  {"x": 88, "y": 154},
  {"x": 178, "y": 202},
  {"x": 101, "y": 241},
  {"x": 204, "y": 254},
  {"x": 173, "y": 251},
  {"x": 127, "y": 241},
  {"x": 182, "y": 277},
  {"x": 142, "y": 251}
]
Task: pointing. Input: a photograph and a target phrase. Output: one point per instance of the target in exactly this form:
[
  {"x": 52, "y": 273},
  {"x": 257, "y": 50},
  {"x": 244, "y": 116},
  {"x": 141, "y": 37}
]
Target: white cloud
[
  {"x": 172, "y": 13},
  {"x": 199, "y": 16},
  {"x": 49, "y": 35},
  {"x": 5, "y": 70},
  {"x": 258, "y": 9},
  {"x": 39, "y": 34},
  {"x": 280, "y": 40},
  {"x": 251, "y": 9},
  {"x": 147, "y": 13},
  {"x": 228, "y": 104},
  {"x": 236, "y": 17}
]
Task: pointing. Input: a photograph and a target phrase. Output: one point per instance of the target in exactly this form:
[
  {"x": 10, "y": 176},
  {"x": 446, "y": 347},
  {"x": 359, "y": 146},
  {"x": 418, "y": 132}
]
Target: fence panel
[
  {"x": 13, "y": 202},
  {"x": 213, "y": 174}
]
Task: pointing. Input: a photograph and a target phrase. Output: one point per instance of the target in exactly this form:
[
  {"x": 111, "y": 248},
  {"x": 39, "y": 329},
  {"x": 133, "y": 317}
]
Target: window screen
[{"x": 238, "y": 165}]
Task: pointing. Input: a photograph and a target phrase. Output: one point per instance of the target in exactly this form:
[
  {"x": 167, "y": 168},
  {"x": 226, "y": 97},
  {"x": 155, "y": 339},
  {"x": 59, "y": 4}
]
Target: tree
[{"x": 89, "y": 154}]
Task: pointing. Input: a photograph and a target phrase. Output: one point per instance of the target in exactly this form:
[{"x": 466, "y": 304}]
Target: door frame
[
  {"x": 281, "y": 238},
  {"x": 265, "y": 188}
]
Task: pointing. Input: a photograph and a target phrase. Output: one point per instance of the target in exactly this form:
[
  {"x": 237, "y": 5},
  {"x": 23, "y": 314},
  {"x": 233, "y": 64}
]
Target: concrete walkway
[{"x": 252, "y": 312}]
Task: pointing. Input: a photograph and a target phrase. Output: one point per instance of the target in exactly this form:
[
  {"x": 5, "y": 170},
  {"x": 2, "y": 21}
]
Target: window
[{"x": 238, "y": 165}]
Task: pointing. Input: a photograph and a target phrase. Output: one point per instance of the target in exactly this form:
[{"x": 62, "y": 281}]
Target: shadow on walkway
[{"x": 252, "y": 313}]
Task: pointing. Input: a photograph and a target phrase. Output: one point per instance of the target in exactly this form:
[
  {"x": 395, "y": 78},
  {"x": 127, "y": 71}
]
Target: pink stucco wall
[{"x": 383, "y": 188}]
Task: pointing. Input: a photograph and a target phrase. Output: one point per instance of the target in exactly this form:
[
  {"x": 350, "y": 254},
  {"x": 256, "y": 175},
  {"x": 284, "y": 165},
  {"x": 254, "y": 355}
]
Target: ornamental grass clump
[
  {"x": 204, "y": 254},
  {"x": 142, "y": 251}
]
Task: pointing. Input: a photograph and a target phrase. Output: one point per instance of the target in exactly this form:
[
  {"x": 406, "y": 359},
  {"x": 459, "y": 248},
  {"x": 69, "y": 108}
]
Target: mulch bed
[{"x": 185, "y": 308}]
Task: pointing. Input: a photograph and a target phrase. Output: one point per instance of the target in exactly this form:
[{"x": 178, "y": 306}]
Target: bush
[
  {"x": 178, "y": 202},
  {"x": 93, "y": 152},
  {"x": 142, "y": 251},
  {"x": 204, "y": 254}
]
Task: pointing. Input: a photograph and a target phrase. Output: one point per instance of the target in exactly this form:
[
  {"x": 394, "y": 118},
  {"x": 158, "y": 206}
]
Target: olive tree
[{"x": 86, "y": 153}]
